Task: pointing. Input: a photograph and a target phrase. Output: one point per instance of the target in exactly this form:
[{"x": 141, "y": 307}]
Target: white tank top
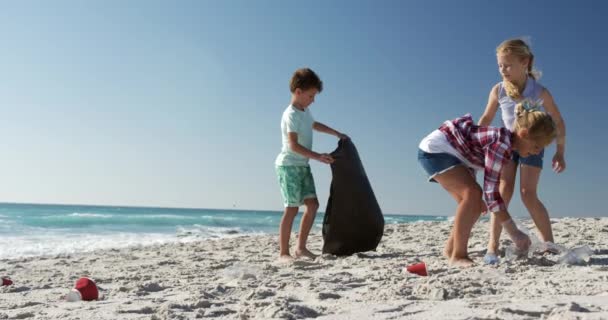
[{"x": 532, "y": 91}]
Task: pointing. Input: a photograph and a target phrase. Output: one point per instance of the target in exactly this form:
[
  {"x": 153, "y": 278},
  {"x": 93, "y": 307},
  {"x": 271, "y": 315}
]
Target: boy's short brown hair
[{"x": 304, "y": 79}]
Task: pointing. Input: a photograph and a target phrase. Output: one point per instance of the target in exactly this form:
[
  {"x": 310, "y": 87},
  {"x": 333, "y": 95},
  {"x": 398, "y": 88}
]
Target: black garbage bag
[{"x": 353, "y": 220}]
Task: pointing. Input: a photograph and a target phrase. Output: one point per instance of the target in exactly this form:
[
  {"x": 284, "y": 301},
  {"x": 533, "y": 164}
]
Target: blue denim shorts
[
  {"x": 436, "y": 163},
  {"x": 535, "y": 160}
]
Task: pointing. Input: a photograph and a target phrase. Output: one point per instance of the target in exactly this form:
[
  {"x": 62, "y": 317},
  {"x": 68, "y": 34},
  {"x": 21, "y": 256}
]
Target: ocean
[{"x": 39, "y": 229}]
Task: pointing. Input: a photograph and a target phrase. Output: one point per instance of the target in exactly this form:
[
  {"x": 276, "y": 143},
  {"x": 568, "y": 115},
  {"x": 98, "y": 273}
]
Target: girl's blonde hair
[
  {"x": 540, "y": 125},
  {"x": 521, "y": 50}
]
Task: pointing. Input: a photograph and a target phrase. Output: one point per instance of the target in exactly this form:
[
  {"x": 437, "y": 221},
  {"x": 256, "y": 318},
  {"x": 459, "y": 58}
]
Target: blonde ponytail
[{"x": 541, "y": 127}]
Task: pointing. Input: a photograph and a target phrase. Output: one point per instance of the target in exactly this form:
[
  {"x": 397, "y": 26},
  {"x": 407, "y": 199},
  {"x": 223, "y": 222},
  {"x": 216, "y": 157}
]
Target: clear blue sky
[{"x": 178, "y": 103}]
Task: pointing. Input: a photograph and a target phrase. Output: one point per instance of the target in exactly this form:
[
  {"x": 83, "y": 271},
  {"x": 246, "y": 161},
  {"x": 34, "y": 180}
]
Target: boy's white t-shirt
[{"x": 300, "y": 122}]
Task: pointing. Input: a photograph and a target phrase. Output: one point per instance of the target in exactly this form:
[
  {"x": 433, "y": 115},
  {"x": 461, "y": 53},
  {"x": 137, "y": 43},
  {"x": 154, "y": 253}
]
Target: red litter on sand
[
  {"x": 6, "y": 281},
  {"x": 87, "y": 288},
  {"x": 418, "y": 268}
]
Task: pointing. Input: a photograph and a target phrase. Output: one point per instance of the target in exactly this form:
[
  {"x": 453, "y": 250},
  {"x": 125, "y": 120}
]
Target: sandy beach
[{"x": 240, "y": 278}]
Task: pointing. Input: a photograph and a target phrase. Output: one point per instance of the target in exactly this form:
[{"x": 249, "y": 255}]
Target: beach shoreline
[{"x": 240, "y": 278}]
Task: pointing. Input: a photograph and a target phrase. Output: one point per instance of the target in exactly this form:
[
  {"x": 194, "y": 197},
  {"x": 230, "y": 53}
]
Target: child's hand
[
  {"x": 522, "y": 241},
  {"x": 326, "y": 158},
  {"x": 484, "y": 208},
  {"x": 559, "y": 164},
  {"x": 342, "y": 136}
]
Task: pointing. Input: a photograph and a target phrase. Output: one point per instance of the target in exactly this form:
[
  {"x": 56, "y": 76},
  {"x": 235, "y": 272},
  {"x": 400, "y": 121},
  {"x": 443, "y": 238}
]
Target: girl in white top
[{"x": 515, "y": 64}]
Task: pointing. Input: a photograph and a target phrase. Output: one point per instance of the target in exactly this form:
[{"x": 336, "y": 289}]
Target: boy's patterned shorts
[{"x": 296, "y": 184}]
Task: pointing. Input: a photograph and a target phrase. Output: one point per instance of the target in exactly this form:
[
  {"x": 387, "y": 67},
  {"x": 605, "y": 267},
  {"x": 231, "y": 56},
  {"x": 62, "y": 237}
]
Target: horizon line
[{"x": 178, "y": 208}]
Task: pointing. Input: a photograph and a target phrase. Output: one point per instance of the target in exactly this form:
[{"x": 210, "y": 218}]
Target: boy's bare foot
[
  {"x": 305, "y": 253},
  {"x": 461, "y": 262},
  {"x": 285, "y": 258}
]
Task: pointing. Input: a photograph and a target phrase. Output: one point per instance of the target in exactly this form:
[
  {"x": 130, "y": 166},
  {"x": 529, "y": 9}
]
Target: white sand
[{"x": 239, "y": 278}]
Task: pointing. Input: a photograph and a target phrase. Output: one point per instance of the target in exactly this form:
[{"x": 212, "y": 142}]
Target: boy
[{"x": 293, "y": 171}]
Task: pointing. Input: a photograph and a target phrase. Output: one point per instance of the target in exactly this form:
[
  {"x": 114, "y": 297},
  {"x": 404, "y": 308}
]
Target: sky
[{"x": 178, "y": 103}]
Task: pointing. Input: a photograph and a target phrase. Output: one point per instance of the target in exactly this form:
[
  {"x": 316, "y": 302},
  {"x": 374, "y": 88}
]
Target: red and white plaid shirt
[{"x": 484, "y": 147}]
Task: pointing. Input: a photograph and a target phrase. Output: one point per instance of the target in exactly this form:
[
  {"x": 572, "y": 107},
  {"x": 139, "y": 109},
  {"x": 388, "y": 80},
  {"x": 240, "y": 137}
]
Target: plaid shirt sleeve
[{"x": 497, "y": 155}]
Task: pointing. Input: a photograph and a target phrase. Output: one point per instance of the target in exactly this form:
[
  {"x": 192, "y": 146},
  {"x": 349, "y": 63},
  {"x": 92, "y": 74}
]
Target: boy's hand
[
  {"x": 342, "y": 136},
  {"x": 325, "y": 158}
]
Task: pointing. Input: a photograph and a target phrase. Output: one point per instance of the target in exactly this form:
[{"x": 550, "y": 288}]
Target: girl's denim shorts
[
  {"x": 437, "y": 163},
  {"x": 535, "y": 160}
]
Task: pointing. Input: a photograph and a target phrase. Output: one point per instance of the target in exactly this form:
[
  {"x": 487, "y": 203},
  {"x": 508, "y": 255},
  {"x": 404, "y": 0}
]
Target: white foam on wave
[
  {"x": 156, "y": 216},
  {"x": 44, "y": 242},
  {"x": 127, "y": 216},
  {"x": 53, "y": 244},
  {"x": 219, "y": 218},
  {"x": 90, "y": 215}
]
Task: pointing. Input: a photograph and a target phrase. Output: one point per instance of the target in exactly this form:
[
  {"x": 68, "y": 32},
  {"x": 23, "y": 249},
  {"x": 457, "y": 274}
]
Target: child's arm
[
  {"x": 491, "y": 108},
  {"x": 298, "y": 148},
  {"x": 520, "y": 239},
  {"x": 495, "y": 159},
  {"x": 559, "y": 164},
  {"x": 325, "y": 129}
]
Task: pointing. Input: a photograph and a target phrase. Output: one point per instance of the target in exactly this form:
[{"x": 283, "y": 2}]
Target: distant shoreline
[{"x": 180, "y": 208}]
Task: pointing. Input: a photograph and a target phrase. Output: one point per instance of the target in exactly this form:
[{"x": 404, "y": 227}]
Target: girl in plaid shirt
[
  {"x": 451, "y": 153},
  {"x": 516, "y": 66}
]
